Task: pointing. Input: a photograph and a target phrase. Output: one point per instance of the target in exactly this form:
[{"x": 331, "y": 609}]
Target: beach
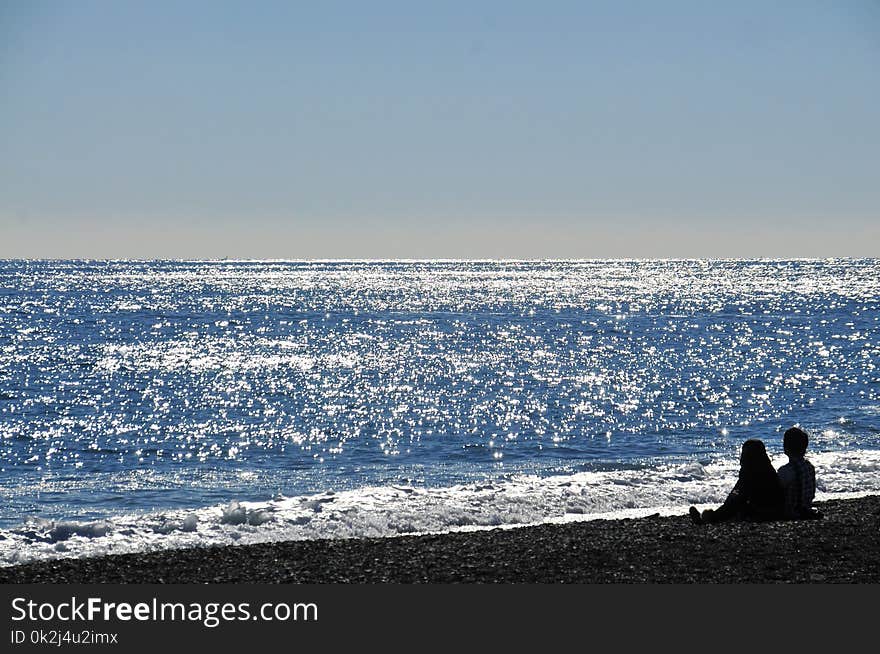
[
  {"x": 842, "y": 548},
  {"x": 168, "y": 404}
]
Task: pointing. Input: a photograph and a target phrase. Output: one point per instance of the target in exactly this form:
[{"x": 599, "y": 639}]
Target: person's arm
[
  {"x": 811, "y": 490},
  {"x": 735, "y": 496}
]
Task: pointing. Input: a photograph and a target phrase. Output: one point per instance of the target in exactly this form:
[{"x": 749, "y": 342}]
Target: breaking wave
[{"x": 395, "y": 510}]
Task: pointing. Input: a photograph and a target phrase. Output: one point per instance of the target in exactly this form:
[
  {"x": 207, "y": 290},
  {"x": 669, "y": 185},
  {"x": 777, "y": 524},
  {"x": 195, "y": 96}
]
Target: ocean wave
[{"x": 393, "y": 510}]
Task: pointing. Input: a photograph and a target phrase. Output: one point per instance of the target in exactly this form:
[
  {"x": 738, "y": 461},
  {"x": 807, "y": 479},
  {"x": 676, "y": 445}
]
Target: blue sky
[{"x": 410, "y": 129}]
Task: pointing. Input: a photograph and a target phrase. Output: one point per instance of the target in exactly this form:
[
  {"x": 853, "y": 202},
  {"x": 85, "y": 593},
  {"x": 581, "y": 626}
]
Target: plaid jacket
[{"x": 798, "y": 479}]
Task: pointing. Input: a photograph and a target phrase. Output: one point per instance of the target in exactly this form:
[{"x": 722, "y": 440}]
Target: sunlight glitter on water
[{"x": 351, "y": 373}]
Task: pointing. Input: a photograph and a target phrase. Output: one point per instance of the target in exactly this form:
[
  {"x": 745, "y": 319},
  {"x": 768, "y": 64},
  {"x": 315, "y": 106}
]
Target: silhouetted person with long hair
[
  {"x": 798, "y": 477},
  {"x": 757, "y": 494}
]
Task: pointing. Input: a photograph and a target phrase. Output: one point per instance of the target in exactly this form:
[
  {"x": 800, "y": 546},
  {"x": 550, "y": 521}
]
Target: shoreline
[{"x": 844, "y": 547}]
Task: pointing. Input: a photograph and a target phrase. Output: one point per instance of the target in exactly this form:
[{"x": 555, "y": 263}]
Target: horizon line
[{"x": 419, "y": 260}]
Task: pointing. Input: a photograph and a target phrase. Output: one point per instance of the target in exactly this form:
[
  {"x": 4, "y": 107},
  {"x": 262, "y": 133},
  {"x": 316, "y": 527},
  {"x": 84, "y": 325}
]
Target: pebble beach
[{"x": 842, "y": 548}]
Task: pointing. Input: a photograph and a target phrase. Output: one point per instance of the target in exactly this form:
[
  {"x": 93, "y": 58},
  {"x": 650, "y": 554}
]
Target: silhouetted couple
[{"x": 761, "y": 493}]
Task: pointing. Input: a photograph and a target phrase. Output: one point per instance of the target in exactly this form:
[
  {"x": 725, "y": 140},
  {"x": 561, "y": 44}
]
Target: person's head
[
  {"x": 755, "y": 466},
  {"x": 794, "y": 442},
  {"x": 753, "y": 453}
]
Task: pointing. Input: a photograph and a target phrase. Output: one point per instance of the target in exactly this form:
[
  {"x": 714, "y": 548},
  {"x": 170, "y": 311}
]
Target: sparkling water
[{"x": 176, "y": 403}]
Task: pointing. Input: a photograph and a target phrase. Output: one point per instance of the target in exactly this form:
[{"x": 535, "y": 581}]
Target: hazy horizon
[{"x": 488, "y": 130}]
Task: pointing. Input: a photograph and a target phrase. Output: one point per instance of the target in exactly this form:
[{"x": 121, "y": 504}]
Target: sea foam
[{"x": 396, "y": 509}]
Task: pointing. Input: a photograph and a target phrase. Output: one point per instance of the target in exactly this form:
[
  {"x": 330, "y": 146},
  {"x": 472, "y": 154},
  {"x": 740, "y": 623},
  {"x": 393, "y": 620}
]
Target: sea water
[{"x": 154, "y": 404}]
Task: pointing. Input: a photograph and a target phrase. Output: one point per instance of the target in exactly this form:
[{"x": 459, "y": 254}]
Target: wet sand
[{"x": 844, "y": 547}]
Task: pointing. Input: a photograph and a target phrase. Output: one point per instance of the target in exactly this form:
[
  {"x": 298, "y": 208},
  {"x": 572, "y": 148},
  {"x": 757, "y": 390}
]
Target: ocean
[{"x": 156, "y": 404}]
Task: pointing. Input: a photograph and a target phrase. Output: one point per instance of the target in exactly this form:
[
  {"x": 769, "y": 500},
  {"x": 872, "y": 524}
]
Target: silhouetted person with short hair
[
  {"x": 798, "y": 477},
  {"x": 757, "y": 494}
]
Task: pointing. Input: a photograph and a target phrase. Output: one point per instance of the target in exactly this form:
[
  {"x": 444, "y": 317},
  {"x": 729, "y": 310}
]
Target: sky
[{"x": 478, "y": 129}]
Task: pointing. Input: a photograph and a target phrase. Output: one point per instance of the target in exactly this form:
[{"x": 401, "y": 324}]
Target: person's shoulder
[{"x": 785, "y": 471}]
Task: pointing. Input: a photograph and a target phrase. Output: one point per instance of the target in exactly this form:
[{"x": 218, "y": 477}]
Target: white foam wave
[{"x": 396, "y": 510}]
